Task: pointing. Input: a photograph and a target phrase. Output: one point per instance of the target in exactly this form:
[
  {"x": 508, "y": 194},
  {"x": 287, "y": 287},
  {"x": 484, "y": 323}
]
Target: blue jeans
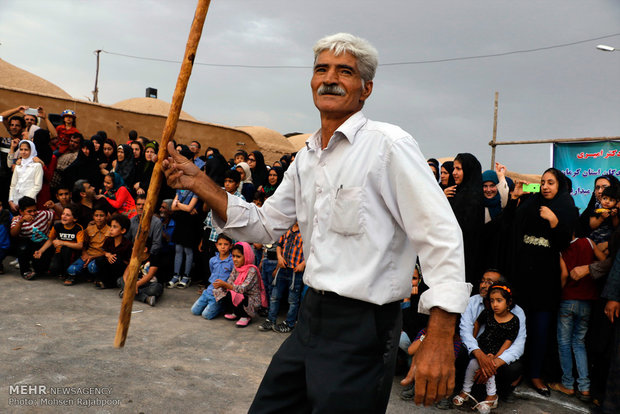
[
  {"x": 573, "y": 320},
  {"x": 178, "y": 259},
  {"x": 267, "y": 275},
  {"x": 77, "y": 267},
  {"x": 207, "y": 306},
  {"x": 293, "y": 281}
]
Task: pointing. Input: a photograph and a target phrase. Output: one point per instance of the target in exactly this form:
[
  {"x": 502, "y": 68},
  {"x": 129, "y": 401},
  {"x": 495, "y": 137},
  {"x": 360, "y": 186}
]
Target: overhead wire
[{"x": 417, "y": 62}]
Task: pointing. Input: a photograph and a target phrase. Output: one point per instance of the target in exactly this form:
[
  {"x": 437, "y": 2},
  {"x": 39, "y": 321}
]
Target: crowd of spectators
[{"x": 548, "y": 276}]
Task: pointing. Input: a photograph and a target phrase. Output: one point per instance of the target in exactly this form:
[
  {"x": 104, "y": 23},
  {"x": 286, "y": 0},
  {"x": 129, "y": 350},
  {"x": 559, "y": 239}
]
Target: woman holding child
[{"x": 243, "y": 294}]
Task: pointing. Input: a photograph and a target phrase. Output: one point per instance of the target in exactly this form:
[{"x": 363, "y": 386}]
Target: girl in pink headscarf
[{"x": 243, "y": 294}]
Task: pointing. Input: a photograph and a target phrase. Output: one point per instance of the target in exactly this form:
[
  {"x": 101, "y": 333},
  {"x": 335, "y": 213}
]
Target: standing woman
[
  {"x": 445, "y": 175},
  {"x": 467, "y": 203},
  {"x": 542, "y": 226},
  {"x": 600, "y": 183},
  {"x": 139, "y": 163},
  {"x": 41, "y": 141},
  {"x": 106, "y": 163},
  {"x": 124, "y": 164},
  {"x": 117, "y": 195},
  {"x": 83, "y": 168},
  {"x": 256, "y": 161},
  {"x": 274, "y": 178},
  {"x": 27, "y": 176},
  {"x": 150, "y": 158}
]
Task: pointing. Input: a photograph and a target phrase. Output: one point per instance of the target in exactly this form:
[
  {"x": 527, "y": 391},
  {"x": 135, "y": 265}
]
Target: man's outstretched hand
[
  {"x": 180, "y": 172},
  {"x": 433, "y": 364}
]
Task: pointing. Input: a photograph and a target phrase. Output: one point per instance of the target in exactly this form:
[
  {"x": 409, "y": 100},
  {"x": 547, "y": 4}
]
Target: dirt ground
[{"x": 58, "y": 356}]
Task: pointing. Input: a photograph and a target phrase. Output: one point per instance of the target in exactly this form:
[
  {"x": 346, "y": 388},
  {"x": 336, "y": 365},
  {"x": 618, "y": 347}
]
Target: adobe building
[{"x": 145, "y": 115}]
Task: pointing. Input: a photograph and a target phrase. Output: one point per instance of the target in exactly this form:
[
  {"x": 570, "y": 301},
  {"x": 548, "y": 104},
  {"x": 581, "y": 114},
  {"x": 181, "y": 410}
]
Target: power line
[{"x": 418, "y": 62}]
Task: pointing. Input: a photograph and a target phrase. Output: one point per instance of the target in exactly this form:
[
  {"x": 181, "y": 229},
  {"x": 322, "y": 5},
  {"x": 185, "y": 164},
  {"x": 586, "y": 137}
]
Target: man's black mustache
[{"x": 331, "y": 90}]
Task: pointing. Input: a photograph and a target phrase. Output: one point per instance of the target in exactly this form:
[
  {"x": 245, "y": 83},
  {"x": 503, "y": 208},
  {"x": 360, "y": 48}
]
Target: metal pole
[
  {"x": 153, "y": 191},
  {"x": 96, "y": 91},
  {"x": 492, "y": 143}
]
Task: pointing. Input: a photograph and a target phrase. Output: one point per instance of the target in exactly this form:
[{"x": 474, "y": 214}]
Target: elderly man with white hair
[{"x": 367, "y": 205}]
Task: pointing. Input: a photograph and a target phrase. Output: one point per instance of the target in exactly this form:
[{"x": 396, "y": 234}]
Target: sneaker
[
  {"x": 15, "y": 264},
  {"x": 408, "y": 393},
  {"x": 282, "y": 328},
  {"x": 28, "y": 275},
  {"x": 120, "y": 293},
  {"x": 69, "y": 281},
  {"x": 266, "y": 326},
  {"x": 230, "y": 316},
  {"x": 185, "y": 281},
  {"x": 151, "y": 300},
  {"x": 174, "y": 281},
  {"x": 243, "y": 322}
]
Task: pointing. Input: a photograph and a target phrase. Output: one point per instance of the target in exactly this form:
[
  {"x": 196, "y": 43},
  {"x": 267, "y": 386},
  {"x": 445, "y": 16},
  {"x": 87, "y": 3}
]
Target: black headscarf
[
  {"x": 434, "y": 163},
  {"x": 259, "y": 172},
  {"x": 216, "y": 166},
  {"x": 270, "y": 189},
  {"x": 41, "y": 141},
  {"x": 449, "y": 166},
  {"x": 126, "y": 167},
  {"x": 468, "y": 207},
  {"x": 84, "y": 167},
  {"x": 584, "y": 229},
  {"x": 99, "y": 157}
]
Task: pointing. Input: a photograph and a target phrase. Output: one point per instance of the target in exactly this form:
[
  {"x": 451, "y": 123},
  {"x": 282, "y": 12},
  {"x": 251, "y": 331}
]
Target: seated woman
[
  {"x": 117, "y": 195},
  {"x": 27, "y": 177},
  {"x": 243, "y": 294}
]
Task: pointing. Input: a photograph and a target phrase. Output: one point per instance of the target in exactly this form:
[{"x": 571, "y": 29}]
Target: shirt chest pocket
[{"x": 347, "y": 217}]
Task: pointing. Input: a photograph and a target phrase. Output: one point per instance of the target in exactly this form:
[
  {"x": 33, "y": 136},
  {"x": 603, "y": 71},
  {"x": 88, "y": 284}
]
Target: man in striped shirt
[{"x": 30, "y": 229}]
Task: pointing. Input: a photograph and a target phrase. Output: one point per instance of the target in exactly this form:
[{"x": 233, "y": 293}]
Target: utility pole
[{"x": 96, "y": 91}]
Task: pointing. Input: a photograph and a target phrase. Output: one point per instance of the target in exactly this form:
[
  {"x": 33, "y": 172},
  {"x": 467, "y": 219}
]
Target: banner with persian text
[{"x": 583, "y": 162}]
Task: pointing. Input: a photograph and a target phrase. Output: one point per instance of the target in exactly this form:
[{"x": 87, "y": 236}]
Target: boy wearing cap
[{"x": 65, "y": 130}]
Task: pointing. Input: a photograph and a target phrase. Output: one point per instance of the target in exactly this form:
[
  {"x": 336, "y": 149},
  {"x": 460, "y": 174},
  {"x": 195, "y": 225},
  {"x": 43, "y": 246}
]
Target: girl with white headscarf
[{"x": 27, "y": 176}]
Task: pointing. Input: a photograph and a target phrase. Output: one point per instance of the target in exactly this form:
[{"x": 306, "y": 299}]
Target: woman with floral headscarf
[
  {"x": 27, "y": 177},
  {"x": 117, "y": 195},
  {"x": 243, "y": 294}
]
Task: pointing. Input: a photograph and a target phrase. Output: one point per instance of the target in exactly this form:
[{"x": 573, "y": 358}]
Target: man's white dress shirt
[{"x": 367, "y": 206}]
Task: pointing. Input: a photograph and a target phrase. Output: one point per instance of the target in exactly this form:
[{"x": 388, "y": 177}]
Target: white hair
[{"x": 366, "y": 55}]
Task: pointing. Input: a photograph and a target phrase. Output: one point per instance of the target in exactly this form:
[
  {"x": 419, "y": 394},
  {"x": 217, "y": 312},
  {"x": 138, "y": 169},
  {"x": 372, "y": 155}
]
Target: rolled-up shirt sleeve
[{"x": 422, "y": 210}]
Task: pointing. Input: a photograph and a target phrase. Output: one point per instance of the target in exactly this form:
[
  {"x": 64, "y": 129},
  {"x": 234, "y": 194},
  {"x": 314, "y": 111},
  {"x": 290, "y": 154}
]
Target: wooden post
[
  {"x": 492, "y": 143},
  {"x": 153, "y": 191}
]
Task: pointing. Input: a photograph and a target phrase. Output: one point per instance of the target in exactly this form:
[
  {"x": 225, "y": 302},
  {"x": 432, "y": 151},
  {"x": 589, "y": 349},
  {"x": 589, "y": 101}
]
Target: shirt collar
[{"x": 348, "y": 129}]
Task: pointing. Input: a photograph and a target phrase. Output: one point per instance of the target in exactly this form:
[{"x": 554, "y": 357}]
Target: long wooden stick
[{"x": 153, "y": 192}]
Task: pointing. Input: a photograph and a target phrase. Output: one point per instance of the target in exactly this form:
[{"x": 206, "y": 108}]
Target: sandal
[
  {"x": 486, "y": 405},
  {"x": 458, "y": 400},
  {"x": 69, "y": 282},
  {"x": 558, "y": 386}
]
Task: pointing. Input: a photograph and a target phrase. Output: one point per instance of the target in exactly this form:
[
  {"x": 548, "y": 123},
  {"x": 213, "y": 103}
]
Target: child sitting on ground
[
  {"x": 501, "y": 329},
  {"x": 117, "y": 252},
  {"x": 243, "y": 294},
  {"x": 148, "y": 289},
  {"x": 221, "y": 266},
  {"x": 30, "y": 230},
  {"x": 67, "y": 237},
  {"x": 94, "y": 237}
]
